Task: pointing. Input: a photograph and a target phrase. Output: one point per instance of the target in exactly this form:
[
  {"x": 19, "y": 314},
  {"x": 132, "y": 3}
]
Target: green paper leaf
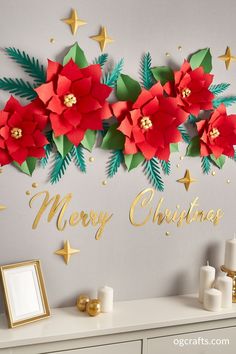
[
  {"x": 63, "y": 144},
  {"x": 89, "y": 139},
  {"x": 218, "y": 89},
  {"x": 30, "y": 65},
  {"x": 218, "y": 162},
  {"x": 145, "y": 71},
  {"x": 174, "y": 147},
  {"x": 193, "y": 148},
  {"x": 227, "y": 101},
  {"x": 163, "y": 74},
  {"x": 152, "y": 171},
  {"x": 127, "y": 88},
  {"x": 114, "y": 162},
  {"x": 206, "y": 165},
  {"x": 77, "y": 55},
  {"x": 114, "y": 139},
  {"x": 18, "y": 87},
  {"x": 28, "y": 166},
  {"x": 132, "y": 161},
  {"x": 110, "y": 78},
  {"x": 202, "y": 58}
]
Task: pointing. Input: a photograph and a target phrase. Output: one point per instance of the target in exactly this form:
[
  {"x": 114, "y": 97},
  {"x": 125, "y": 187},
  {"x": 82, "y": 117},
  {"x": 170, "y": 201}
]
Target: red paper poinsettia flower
[
  {"x": 218, "y": 133},
  {"x": 150, "y": 124},
  {"x": 75, "y": 99},
  {"x": 21, "y": 132},
  {"x": 191, "y": 88}
]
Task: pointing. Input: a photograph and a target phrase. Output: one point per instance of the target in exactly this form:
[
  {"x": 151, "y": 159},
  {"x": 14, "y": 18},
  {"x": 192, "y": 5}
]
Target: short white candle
[
  {"x": 230, "y": 254},
  {"x": 212, "y": 300},
  {"x": 225, "y": 285},
  {"x": 207, "y": 278},
  {"x": 105, "y": 295}
]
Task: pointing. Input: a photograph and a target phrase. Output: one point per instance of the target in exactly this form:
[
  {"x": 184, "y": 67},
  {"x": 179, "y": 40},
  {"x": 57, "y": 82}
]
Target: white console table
[{"x": 146, "y": 326}]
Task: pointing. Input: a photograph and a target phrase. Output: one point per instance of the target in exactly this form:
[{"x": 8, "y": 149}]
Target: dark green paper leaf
[
  {"x": 163, "y": 74},
  {"x": 89, "y": 139},
  {"x": 202, "y": 58},
  {"x": 114, "y": 139},
  {"x": 132, "y": 161},
  {"x": 63, "y": 144},
  {"x": 193, "y": 148},
  {"x": 28, "y": 166},
  {"x": 77, "y": 55},
  {"x": 218, "y": 162},
  {"x": 127, "y": 89}
]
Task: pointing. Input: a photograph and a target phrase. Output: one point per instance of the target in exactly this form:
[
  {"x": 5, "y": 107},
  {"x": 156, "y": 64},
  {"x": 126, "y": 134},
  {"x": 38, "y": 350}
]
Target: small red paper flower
[
  {"x": 21, "y": 132},
  {"x": 75, "y": 99},
  {"x": 150, "y": 123},
  {"x": 191, "y": 88},
  {"x": 218, "y": 133}
]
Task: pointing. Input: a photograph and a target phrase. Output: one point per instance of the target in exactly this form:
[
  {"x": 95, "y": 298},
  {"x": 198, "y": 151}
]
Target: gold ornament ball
[
  {"x": 91, "y": 159},
  {"x": 228, "y": 181},
  {"x": 213, "y": 173},
  {"x": 82, "y": 302},
  {"x": 93, "y": 308},
  {"x": 104, "y": 183}
]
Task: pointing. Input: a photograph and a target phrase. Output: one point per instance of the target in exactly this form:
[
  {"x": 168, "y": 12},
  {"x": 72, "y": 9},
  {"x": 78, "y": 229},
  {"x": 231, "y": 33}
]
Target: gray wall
[{"x": 137, "y": 262}]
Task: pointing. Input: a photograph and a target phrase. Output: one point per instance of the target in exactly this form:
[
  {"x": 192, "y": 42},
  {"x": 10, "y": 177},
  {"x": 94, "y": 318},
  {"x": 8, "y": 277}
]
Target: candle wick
[{"x": 207, "y": 263}]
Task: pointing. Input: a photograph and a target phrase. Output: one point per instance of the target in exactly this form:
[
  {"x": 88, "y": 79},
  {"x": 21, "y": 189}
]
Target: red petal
[
  {"x": 93, "y": 71},
  {"x": 20, "y": 155},
  {"x": 151, "y": 107},
  {"x": 120, "y": 108},
  {"x": 12, "y": 105},
  {"x": 88, "y": 104},
  {"x": 130, "y": 147},
  {"x": 4, "y": 158},
  {"x": 125, "y": 127},
  {"x": 60, "y": 126},
  {"x": 37, "y": 152},
  {"x": 157, "y": 90},
  {"x": 75, "y": 136},
  {"x": 72, "y": 116},
  {"x": 101, "y": 92},
  {"x": 55, "y": 105},
  {"x": 40, "y": 139},
  {"x": 45, "y": 91},
  {"x": 147, "y": 150},
  {"x": 81, "y": 87},
  {"x": 72, "y": 71},
  {"x": 4, "y": 132},
  {"x": 105, "y": 111},
  {"x": 3, "y": 117},
  {"x": 26, "y": 141},
  {"x": 143, "y": 98},
  {"x": 63, "y": 85},
  {"x": 164, "y": 154},
  {"x": 53, "y": 69}
]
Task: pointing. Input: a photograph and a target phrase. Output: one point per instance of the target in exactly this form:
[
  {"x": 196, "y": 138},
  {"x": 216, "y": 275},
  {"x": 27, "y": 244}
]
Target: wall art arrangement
[{"x": 69, "y": 107}]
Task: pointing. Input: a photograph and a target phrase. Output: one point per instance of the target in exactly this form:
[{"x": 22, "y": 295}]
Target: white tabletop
[{"x": 68, "y": 323}]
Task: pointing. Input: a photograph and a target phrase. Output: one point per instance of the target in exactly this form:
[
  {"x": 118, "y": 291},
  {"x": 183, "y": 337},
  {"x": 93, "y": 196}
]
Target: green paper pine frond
[
  {"x": 145, "y": 71},
  {"x": 218, "y": 89},
  {"x": 152, "y": 171},
  {"x": 192, "y": 119},
  {"x": 30, "y": 65},
  {"x": 111, "y": 78},
  {"x": 60, "y": 166},
  {"x": 78, "y": 154},
  {"x": 184, "y": 134},
  {"x": 48, "y": 149},
  {"x": 114, "y": 162},
  {"x": 206, "y": 165},
  {"x": 166, "y": 167},
  {"x": 102, "y": 59},
  {"x": 19, "y": 87},
  {"x": 227, "y": 101}
]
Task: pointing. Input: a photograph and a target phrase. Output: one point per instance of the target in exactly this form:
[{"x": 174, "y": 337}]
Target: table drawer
[
  {"x": 204, "y": 342},
  {"x": 134, "y": 347}
]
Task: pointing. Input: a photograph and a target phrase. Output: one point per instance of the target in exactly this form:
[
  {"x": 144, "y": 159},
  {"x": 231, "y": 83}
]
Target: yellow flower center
[
  {"x": 186, "y": 92},
  {"x": 16, "y": 133},
  {"x": 145, "y": 123},
  {"x": 214, "y": 133},
  {"x": 69, "y": 100}
]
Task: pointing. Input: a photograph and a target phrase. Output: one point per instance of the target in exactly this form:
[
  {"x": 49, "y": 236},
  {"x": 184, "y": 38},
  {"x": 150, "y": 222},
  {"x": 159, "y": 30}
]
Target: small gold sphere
[
  {"x": 91, "y": 159},
  {"x": 179, "y": 47},
  {"x": 93, "y": 308},
  {"x": 167, "y": 233},
  {"x": 104, "y": 183},
  {"x": 167, "y": 54},
  {"x": 228, "y": 181},
  {"x": 27, "y": 192},
  {"x": 82, "y": 302},
  {"x": 181, "y": 158},
  {"x": 34, "y": 185},
  {"x": 52, "y": 40},
  {"x": 178, "y": 165},
  {"x": 213, "y": 173}
]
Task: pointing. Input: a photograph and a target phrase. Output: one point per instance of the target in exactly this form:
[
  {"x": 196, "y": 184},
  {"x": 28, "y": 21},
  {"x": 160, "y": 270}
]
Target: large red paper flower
[
  {"x": 75, "y": 99},
  {"x": 218, "y": 133},
  {"x": 191, "y": 88},
  {"x": 21, "y": 132},
  {"x": 150, "y": 123}
]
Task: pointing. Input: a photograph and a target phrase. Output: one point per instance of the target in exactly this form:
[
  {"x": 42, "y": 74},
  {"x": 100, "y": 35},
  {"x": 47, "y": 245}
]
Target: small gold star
[
  {"x": 67, "y": 251},
  {"x": 74, "y": 21},
  {"x": 227, "y": 57},
  {"x": 186, "y": 180},
  {"x": 102, "y": 38}
]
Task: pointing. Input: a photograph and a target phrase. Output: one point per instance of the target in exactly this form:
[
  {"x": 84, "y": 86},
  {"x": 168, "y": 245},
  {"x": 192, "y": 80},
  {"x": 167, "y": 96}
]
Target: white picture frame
[{"x": 24, "y": 292}]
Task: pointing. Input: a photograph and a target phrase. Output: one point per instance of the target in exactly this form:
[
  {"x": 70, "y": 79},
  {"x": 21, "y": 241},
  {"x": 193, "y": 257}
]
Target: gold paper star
[
  {"x": 67, "y": 251},
  {"x": 227, "y": 57},
  {"x": 74, "y": 21},
  {"x": 186, "y": 180},
  {"x": 2, "y": 207},
  {"x": 102, "y": 38}
]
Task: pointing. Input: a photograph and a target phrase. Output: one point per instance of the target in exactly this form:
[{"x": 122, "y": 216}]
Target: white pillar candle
[
  {"x": 207, "y": 278},
  {"x": 225, "y": 285},
  {"x": 105, "y": 295},
  {"x": 230, "y": 254},
  {"x": 212, "y": 300}
]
